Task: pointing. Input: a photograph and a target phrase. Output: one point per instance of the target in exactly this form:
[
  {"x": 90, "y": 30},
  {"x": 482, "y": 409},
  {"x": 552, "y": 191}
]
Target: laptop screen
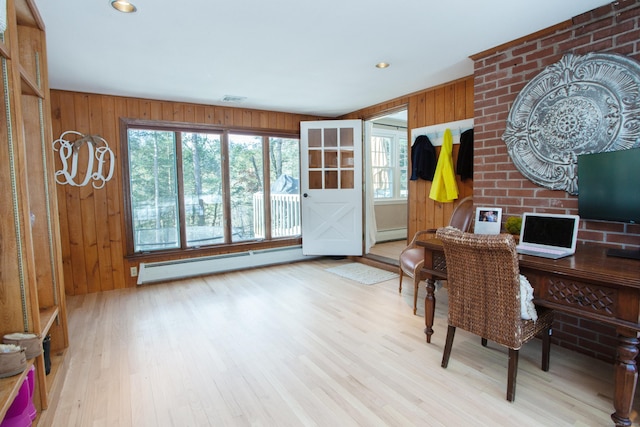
[{"x": 549, "y": 230}]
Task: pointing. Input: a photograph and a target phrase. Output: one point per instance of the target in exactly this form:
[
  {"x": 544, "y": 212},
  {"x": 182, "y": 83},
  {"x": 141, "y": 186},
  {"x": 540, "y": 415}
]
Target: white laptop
[{"x": 548, "y": 235}]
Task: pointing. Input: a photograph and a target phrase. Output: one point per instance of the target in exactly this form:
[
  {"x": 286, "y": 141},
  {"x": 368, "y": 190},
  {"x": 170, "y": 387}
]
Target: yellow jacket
[{"x": 444, "y": 187}]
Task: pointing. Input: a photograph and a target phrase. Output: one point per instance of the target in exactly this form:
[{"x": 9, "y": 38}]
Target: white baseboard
[
  {"x": 387, "y": 235},
  {"x": 171, "y": 270}
]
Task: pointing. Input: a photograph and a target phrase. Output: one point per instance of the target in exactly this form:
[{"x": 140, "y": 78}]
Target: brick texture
[{"x": 499, "y": 77}]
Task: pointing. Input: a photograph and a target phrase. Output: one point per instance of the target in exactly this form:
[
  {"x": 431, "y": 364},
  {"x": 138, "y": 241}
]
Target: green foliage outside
[{"x": 154, "y": 185}]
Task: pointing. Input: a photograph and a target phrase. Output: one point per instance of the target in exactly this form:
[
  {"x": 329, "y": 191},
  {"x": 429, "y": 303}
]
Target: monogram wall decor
[
  {"x": 582, "y": 104},
  {"x": 92, "y": 148}
]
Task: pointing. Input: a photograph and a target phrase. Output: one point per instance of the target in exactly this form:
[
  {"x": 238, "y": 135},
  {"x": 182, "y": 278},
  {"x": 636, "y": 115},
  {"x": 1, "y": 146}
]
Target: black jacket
[
  {"x": 423, "y": 159},
  {"x": 464, "y": 167}
]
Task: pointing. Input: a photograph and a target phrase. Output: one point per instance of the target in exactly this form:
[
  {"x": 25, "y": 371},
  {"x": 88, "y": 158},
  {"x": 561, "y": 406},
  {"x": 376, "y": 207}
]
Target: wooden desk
[{"x": 588, "y": 284}]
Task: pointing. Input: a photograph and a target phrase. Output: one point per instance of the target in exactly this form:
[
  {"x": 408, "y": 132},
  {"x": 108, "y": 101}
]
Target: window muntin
[
  {"x": 389, "y": 164},
  {"x": 182, "y": 194}
]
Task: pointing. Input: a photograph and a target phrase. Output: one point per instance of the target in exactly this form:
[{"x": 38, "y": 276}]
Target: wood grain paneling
[
  {"x": 30, "y": 258},
  {"x": 442, "y": 104},
  {"x": 91, "y": 220}
]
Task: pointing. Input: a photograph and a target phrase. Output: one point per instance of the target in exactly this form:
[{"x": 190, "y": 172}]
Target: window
[
  {"x": 245, "y": 186},
  {"x": 389, "y": 164},
  {"x": 182, "y": 194}
]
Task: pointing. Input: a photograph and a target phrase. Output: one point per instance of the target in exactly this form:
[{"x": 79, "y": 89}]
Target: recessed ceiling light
[
  {"x": 382, "y": 65},
  {"x": 123, "y": 6}
]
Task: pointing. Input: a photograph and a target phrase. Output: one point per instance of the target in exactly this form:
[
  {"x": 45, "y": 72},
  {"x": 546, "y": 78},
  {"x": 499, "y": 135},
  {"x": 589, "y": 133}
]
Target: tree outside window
[
  {"x": 183, "y": 194},
  {"x": 245, "y": 181}
]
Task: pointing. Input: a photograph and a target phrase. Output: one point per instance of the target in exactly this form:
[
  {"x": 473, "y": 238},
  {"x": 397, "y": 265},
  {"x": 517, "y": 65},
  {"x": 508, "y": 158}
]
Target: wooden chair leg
[
  {"x": 513, "y": 372},
  {"x": 483, "y": 341},
  {"x": 451, "y": 332},
  {"x": 400, "y": 285},
  {"x": 546, "y": 349},
  {"x": 416, "y": 283}
]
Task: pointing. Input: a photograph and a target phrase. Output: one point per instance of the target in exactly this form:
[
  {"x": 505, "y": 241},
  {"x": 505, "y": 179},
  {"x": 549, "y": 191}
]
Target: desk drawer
[{"x": 585, "y": 296}]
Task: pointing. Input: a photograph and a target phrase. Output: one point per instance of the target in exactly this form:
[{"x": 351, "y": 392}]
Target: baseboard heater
[
  {"x": 182, "y": 268},
  {"x": 392, "y": 234}
]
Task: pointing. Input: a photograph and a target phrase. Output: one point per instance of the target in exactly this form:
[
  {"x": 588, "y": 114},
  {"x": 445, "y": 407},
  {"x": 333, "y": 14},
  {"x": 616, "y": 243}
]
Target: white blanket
[{"x": 527, "y": 308}]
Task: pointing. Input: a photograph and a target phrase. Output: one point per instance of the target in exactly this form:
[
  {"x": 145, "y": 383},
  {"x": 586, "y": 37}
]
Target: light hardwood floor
[
  {"x": 295, "y": 345},
  {"x": 389, "y": 250}
]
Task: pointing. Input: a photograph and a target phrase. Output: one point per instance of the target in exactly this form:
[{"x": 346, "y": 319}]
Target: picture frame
[{"x": 488, "y": 220}]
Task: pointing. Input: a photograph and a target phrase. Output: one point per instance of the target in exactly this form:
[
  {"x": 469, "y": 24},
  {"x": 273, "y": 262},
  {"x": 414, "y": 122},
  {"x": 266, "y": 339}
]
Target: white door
[{"x": 331, "y": 187}]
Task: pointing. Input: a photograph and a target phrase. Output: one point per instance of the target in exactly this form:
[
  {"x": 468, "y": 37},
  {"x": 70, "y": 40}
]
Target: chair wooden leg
[
  {"x": 546, "y": 349},
  {"x": 416, "y": 283},
  {"x": 451, "y": 332},
  {"x": 400, "y": 285},
  {"x": 483, "y": 341},
  {"x": 513, "y": 372}
]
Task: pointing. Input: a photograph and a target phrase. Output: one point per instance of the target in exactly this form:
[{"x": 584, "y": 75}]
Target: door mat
[{"x": 362, "y": 273}]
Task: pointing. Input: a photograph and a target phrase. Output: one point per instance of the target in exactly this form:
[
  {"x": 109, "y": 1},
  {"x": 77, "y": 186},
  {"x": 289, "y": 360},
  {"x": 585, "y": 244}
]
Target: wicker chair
[
  {"x": 411, "y": 258},
  {"x": 484, "y": 296}
]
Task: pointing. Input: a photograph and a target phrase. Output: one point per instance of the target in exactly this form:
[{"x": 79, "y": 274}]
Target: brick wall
[{"x": 500, "y": 74}]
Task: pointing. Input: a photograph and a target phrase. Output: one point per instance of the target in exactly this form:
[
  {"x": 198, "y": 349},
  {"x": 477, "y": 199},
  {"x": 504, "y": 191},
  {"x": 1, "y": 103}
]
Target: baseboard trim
[{"x": 388, "y": 235}]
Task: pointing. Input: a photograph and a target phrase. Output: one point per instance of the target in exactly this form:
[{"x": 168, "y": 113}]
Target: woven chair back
[{"x": 483, "y": 285}]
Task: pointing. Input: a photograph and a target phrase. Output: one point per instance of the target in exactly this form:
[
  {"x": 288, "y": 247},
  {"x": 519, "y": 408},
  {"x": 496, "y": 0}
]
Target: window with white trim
[{"x": 389, "y": 163}]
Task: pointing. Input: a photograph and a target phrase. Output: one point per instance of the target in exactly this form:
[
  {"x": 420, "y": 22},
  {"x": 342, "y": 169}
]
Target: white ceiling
[{"x": 282, "y": 55}]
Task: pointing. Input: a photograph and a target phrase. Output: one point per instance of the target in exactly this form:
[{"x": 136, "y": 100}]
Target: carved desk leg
[
  {"x": 626, "y": 375},
  {"x": 429, "y": 308}
]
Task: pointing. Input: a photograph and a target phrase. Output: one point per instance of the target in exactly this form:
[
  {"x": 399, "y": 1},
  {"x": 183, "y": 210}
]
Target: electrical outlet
[{"x": 134, "y": 271}]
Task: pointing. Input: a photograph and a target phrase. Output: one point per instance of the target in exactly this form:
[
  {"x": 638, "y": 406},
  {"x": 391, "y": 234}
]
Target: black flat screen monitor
[
  {"x": 609, "y": 186},
  {"x": 609, "y": 190}
]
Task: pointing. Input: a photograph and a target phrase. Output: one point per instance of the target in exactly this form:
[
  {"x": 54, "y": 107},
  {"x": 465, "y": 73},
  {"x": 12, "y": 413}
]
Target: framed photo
[{"x": 488, "y": 220}]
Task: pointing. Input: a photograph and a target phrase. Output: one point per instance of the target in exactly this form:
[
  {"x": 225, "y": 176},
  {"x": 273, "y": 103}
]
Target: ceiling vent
[{"x": 233, "y": 98}]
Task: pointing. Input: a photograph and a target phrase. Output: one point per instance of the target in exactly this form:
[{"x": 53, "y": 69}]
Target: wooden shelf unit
[{"x": 32, "y": 282}]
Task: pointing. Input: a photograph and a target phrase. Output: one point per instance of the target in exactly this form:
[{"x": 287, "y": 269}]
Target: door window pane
[
  {"x": 346, "y": 137},
  {"x": 154, "y": 191}
]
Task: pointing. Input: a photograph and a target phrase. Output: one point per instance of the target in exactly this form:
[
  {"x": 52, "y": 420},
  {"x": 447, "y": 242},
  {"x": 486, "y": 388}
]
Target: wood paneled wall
[
  {"x": 91, "y": 220},
  {"x": 442, "y": 104}
]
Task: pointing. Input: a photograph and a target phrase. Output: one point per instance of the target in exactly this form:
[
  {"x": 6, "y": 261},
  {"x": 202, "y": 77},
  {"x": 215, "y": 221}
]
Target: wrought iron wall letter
[
  {"x": 98, "y": 156},
  {"x": 579, "y": 105}
]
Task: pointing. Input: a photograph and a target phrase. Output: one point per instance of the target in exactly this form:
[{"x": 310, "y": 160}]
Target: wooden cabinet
[{"x": 32, "y": 295}]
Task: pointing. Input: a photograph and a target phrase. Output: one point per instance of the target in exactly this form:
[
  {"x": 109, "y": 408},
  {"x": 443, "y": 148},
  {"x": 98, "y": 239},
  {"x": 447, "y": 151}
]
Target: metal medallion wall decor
[{"x": 579, "y": 105}]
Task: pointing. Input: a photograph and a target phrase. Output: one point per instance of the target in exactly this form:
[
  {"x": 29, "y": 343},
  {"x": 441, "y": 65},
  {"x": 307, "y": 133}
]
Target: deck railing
[{"x": 285, "y": 215}]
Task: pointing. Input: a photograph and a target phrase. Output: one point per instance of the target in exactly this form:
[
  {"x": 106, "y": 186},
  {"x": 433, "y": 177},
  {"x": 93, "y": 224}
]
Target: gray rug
[{"x": 362, "y": 273}]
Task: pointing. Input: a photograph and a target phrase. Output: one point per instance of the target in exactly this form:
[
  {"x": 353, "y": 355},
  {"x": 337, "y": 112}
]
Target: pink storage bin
[
  {"x": 32, "y": 412},
  {"x": 21, "y": 410}
]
